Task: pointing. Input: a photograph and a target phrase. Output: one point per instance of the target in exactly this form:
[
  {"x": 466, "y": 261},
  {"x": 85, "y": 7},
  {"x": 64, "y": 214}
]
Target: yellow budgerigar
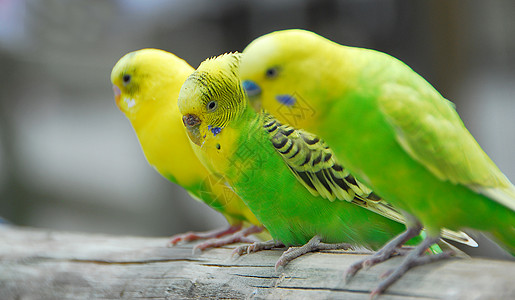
[{"x": 146, "y": 85}]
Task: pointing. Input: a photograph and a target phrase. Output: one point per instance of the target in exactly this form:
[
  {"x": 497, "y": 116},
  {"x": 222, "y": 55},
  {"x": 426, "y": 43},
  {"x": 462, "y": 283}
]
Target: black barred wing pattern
[
  {"x": 314, "y": 164},
  {"x": 316, "y": 167}
]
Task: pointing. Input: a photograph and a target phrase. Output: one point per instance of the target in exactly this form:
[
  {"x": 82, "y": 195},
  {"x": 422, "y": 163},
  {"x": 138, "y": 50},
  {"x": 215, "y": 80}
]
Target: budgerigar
[
  {"x": 146, "y": 84},
  {"x": 390, "y": 128},
  {"x": 289, "y": 178}
]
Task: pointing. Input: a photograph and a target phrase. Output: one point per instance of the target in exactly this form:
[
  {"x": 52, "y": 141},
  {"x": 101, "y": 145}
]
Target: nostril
[
  {"x": 288, "y": 100},
  {"x": 251, "y": 88},
  {"x": 190, "y": 120}
]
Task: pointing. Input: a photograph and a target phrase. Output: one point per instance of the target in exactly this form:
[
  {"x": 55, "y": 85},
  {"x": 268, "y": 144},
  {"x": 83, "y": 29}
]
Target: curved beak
[
  {"x": 192, "y": 124},
  {"x": 117, "y": 95}
]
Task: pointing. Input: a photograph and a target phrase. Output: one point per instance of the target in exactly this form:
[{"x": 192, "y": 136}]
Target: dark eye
[
  {"x": 126, "y": 78},
  {"x": 212, "y": 105},
  {"x": 272, "y": 72}
]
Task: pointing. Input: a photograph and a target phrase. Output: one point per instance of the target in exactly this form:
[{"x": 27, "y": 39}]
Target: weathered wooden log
[{"x": 42, "y": 264}]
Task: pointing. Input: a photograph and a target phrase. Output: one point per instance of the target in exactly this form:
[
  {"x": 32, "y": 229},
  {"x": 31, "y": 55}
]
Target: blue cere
[
  {"x": 251, "y": 88},
  {"x": 287, "y": 100},
  {"x": 214, "y": 130}
]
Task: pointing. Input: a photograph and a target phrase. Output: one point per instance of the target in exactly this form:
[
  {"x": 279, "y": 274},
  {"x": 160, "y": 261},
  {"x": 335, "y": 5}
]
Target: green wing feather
[
  {"x": 313, "y": 163},
  {"x": 430, "y": 131}
]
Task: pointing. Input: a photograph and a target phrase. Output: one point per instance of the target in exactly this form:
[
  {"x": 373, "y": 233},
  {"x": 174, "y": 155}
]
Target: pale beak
[{"x": 117, "y": 95}]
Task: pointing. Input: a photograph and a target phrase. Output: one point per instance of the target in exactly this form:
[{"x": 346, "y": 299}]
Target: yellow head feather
[
  {"x": 138, "y": 78},
  {"x": 212, "y": 96},
  {"x": 274, "y": 68}
]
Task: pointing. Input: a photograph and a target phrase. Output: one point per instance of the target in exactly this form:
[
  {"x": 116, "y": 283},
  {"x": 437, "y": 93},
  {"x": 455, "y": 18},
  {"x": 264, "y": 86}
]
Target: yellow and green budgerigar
[
  {"x": 146, "y": 84},
  {"x": 290, "y": 179},
  {"x": 390, "y": 128}
]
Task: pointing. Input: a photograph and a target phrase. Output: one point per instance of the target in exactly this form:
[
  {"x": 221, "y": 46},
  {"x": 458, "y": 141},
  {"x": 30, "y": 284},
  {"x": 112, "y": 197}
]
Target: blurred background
[{"x": 69, "y": 159}]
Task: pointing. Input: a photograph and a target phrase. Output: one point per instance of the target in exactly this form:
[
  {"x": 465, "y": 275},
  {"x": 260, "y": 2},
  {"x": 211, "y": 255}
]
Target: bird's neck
[{"x": 144, "y": 115}]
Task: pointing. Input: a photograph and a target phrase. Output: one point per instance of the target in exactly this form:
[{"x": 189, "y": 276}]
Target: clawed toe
[
  {"x": 389, "y": 250},
  {"x": 257, "y": 246},
  {"x": 416, "y": 257},
  {"x": 314, "y": 244},
  {"x": 193, "y": 236}
]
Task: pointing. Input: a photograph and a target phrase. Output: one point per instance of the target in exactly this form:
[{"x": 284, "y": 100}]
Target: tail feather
[{"x": 459, "y": 236}]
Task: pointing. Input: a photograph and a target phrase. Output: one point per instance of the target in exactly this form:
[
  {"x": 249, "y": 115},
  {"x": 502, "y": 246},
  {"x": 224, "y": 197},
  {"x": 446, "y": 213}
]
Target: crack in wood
[
  {"x": 237, "y": 266},
  {"x": 355, "y": 291},
  {"x": 135, "y": 262},
  {"x": 264, "y": 277},
  {"x": 102, "y": 261}
]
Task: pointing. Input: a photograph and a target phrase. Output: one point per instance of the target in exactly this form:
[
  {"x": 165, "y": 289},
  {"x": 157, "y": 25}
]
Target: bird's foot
[
  {"x": 240, "y": 236},
  {"x": 314, "y": 244},
  {"x": 416, "y": 257},
  {"x": 257, "y": 246},
  {"x": 193, "y": 236},
  {"x": 391, "y": 249}
]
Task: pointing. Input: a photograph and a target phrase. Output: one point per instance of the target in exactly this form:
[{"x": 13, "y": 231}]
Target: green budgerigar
[
  {"x": 390, "y": 128},
  {"x": 289, "y": 178}
]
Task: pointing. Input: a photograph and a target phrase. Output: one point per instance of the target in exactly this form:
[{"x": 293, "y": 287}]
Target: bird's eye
[
  {"x": 212, "y": 105},
  {"x": 126, "y": 78},
  {"x": 272, "y": 72}
]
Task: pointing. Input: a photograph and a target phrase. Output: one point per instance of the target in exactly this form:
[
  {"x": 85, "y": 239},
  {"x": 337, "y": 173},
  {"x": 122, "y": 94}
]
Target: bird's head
[
  {"x": 278, "y": 68},
  {"x": 141, "y": 77},
  {"x": 212, "y": 97}
]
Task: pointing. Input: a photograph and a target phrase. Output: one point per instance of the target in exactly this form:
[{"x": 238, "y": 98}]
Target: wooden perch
[{"x": 41, "y": 264}]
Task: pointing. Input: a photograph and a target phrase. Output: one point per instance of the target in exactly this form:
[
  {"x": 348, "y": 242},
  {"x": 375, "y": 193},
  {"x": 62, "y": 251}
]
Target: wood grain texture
[{"x": 41, "y": 264}]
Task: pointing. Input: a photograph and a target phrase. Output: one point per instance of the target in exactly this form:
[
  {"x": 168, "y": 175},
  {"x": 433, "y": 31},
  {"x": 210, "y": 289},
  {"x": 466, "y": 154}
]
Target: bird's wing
[
  {"x": 315, "y": 166},
  {"x": 429, "y": 129}
]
